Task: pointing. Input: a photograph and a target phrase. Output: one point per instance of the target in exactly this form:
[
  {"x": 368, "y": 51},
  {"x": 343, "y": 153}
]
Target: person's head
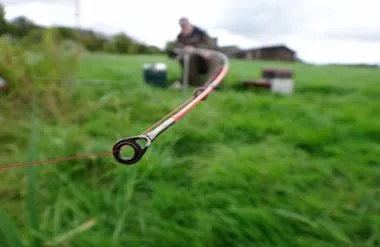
[{"x": 185, "y": 25}]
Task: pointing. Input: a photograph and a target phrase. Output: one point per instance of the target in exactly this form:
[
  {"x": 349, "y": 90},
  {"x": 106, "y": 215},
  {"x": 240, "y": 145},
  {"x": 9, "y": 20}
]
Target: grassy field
[{"x": 243, "y": 168}]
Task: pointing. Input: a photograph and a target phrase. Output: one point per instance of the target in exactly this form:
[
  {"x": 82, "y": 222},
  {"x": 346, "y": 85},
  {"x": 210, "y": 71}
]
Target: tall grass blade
[
  {"x": 66, "y": 236},
  {"x": 9, "y": 236},
  {"x": 32, "y": 176}
]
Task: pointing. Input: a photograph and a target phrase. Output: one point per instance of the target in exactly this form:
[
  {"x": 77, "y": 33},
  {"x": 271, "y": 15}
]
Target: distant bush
[{"x": 42, "y": 65}]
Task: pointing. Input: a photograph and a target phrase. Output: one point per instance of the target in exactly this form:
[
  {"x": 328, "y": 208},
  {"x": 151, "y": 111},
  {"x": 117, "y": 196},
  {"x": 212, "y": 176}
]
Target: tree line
[{"x": 29, "y": 32}]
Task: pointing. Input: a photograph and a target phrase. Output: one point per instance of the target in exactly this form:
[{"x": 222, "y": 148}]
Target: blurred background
[
  {"x": 346, "y": 31},
  {"x": 252, "y": 165}
]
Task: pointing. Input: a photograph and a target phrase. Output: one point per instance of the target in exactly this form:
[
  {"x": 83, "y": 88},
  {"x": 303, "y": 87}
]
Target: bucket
[
  {"x": 282, "y": 86},
  {"x": 155, "y": 74}
]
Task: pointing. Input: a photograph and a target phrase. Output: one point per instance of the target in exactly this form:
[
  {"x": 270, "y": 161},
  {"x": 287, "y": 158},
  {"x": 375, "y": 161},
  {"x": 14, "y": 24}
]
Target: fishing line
[
  {"x": 55, "y": 160},
  {"x": 156, "y": 129}
]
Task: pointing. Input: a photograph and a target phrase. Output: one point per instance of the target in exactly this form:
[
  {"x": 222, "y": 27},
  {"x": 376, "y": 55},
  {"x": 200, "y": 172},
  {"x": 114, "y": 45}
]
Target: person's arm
[
  {"x": 178, "y": 44},
  {"x": 206, "y": 41}
]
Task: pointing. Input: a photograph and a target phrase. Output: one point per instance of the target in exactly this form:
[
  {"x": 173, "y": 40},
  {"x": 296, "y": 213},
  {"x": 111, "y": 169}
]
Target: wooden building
[
  {"x": 279, "y": 53},
  {"x": 229, "y": 50}
]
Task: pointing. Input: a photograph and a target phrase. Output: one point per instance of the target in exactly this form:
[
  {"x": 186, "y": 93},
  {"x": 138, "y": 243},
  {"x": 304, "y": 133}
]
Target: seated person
[{"x": 194, "y": 37}]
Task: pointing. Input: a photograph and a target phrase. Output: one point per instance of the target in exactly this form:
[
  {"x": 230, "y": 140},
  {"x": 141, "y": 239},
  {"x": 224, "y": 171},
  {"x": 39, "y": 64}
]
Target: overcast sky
[{"x": 320, "y": 31}]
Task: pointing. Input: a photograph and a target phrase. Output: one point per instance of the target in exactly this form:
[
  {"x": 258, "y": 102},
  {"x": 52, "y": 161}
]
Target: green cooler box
[{"x": 155, "y": 74}]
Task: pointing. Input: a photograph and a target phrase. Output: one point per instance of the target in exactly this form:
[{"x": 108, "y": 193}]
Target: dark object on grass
[
  {"x": 256, "y": 83},
  {"x": 276, "y": 73},
  {"x": 276, "y": 80}
]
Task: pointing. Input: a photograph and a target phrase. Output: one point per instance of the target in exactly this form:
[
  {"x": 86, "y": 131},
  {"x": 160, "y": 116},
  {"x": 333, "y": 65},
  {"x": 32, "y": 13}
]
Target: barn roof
[
  {"x": 273, "y": 47},
  {"x": 242, "y": 52}
]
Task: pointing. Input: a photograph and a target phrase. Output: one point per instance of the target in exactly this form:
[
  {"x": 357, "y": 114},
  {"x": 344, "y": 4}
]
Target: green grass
[{"x": 243, "y": 168}]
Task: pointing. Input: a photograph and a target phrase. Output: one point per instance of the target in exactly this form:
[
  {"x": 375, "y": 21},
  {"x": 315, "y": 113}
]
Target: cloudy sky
[{"x": 320, "y": 31}]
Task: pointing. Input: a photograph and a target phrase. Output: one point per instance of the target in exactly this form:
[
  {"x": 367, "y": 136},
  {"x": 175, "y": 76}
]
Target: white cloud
[
  {"x": 336, "y": 51},
  {"x": 41, "y": 12},
  {"x": 319, "y": 30}
]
